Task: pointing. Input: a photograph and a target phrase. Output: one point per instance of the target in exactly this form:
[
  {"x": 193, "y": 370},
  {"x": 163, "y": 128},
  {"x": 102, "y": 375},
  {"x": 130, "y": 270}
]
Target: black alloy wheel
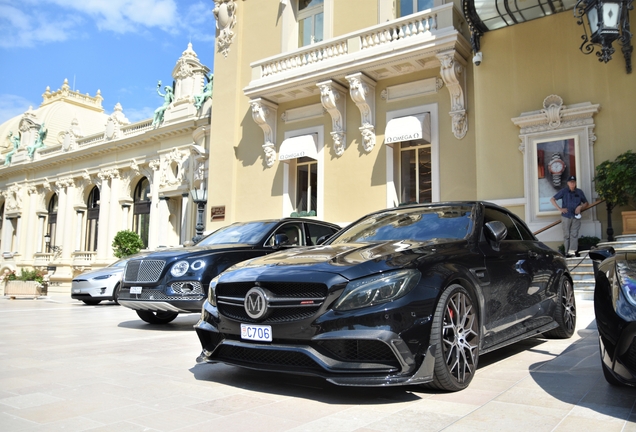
[
  {"x": 565, "y": 312},
  {"x": 456, "y": 334},
  {"x": 609, "y": 377},
  {"x": 157, "y": 317}
]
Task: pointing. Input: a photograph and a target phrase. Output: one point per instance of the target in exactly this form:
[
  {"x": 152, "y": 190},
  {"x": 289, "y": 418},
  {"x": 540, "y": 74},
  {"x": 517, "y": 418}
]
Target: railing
[
  {"x": 83, "y": 258},
  {"x": 42, "y": 259},
  {"x": 555, "y": 223},
  {"x": 422, "y": 24}
]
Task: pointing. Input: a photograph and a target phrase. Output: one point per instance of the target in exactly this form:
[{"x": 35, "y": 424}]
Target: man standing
[{"x": 573, "y": 202}]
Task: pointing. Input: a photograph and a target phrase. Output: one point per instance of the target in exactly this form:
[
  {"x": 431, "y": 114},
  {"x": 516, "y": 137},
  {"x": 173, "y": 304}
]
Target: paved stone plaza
[{"x": 68, "y": 366}]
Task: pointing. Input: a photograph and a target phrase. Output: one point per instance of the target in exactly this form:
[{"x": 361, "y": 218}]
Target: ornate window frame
[{"x": 546, "y": 129}]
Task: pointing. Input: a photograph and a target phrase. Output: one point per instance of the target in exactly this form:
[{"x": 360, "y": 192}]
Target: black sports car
[
  {"x": 409, "y": 295},
  {"x": 165, "y": 283},
  {"x": 615, "y": 310}
]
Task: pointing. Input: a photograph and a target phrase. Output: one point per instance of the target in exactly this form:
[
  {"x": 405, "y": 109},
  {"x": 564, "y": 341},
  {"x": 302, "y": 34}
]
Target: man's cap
[{"x": 572, "y": 178}]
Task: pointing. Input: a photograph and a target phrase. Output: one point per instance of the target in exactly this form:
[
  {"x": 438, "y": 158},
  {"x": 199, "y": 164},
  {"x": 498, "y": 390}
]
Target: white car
[{"x": 94, "y": 286}]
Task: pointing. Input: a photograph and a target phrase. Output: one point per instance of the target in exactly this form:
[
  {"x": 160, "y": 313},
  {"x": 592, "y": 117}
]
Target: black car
[
  {"x": 409, "y": 295},
  {"x": 168, "y": 282},
  {"x": 615, "y": 311}
]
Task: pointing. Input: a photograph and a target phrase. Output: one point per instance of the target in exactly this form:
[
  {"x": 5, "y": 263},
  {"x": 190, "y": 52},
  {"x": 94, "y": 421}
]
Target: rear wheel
[
  {"x": 92, "y": 302},
  {"x": 455, "y": 331},
  {"x": 157, "y": 317},
  {"x": 565, "y": 312}
]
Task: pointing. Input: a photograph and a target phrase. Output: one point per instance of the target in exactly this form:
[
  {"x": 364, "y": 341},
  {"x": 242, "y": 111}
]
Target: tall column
[
  {"x": 78, "y": 230},
  {"x": 7, "y": 235},
  {"x": 164, "y": 215},
  {"x": 115, "y": 216},
  {"x": 104, "y": 210},
  {"x": 184, "y": 218},
  {"x": 62, "y": 215},
  {"x": 68, "y": 221},
  {"x": 153, "y": 229},
  {"x": 40, "y": 235},
  {"x": 32, "y": 242},
  {"x": 125, "y": 211}
]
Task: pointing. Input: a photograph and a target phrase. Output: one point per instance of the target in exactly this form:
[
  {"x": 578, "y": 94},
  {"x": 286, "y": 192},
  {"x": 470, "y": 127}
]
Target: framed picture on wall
[{"x": 556, "y": 160}]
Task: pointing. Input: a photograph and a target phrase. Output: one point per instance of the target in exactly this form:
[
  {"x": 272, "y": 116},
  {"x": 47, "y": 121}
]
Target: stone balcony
[{"x": 390, "y": 49}]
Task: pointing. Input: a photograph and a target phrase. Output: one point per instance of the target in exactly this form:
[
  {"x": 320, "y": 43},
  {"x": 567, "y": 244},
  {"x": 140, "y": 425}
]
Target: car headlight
[
  {"x": 377, "y": 289},
  {"x": 198, "y": 264},
  {"x": 179, "y": 268},
  {"x": 626, "y": 274},
  {"x": 103, "y": 277},
  {"x": 212, "y": 291}
]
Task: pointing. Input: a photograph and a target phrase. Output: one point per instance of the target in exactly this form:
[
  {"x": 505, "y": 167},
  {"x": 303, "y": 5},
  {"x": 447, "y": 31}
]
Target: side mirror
[
  {"x": 280, "y": 240},
  {"x": 495, "y": 231},
  {"x": 601, "y": 254}
]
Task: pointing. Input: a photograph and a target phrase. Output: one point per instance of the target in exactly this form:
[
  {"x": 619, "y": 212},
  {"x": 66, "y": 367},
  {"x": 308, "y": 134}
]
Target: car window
[
  {"x": 418, "y": 224},
  {"x": 316, "y": 231},
  {"x": 523, "y": 230},
  {"x": 492, "y": 214},
  {"x": 238, "y": 233},
  {"x": 294, "y": 233}
]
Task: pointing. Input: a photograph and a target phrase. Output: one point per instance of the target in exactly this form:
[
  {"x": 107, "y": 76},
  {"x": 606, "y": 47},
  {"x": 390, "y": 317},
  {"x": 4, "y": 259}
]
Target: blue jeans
[{"x": 571, "y": 227}]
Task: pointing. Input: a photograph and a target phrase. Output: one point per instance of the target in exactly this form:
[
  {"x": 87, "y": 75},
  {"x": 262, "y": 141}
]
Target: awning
[
  {"x": 297, "y": 147},
  {"x": 408, "y": 128}
]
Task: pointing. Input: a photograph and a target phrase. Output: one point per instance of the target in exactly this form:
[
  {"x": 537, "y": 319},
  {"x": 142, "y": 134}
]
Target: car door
[{"x": 510, "y": 296}]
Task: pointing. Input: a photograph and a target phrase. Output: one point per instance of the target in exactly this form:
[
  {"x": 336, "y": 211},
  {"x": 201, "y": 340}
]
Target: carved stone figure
[
  {"x": 200, "y": 99},
  {"x": 15, "y": 141},
  {"x": 39, "y": 141},
  {"x": 225, "y": 14},
  {"x": 168, "y": 96}
]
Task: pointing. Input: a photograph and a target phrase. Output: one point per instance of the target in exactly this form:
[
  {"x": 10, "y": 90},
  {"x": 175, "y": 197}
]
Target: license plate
[
  {"x": 135, "y": 290},
  {"x": 256, "y": 332}
]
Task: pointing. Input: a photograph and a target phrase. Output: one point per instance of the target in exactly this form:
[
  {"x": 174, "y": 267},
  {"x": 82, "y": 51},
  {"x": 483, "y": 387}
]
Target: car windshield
[
  {"x": 417, "y": 224},
  {"x": 238, "y": 233},
  {"x": 120, "y": 263}
]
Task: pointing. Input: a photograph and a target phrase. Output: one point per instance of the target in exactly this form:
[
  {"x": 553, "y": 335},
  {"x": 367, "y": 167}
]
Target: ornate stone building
[
  {"x": 72, "y": 176},
  {"x": 336, "y": 108}
]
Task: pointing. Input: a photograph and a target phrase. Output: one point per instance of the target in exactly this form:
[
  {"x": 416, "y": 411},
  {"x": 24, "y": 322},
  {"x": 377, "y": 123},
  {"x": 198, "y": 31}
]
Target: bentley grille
[{"x": 143, "y": 270}]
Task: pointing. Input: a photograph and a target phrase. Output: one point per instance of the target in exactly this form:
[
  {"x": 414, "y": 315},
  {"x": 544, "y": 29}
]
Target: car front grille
[
  {"x": 191, "y": 288},
  {"x": 143, "y": 270},
  {"x": 358, "y": 350},
  {"x": 265, "y": 357},
  {"x": 153, "y": 294},
  {"x": 290, "y": 301}
]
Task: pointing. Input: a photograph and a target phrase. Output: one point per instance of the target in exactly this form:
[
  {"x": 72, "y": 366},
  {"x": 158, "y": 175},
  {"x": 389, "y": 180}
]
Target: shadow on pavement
[{"x": 183, "y": 322}]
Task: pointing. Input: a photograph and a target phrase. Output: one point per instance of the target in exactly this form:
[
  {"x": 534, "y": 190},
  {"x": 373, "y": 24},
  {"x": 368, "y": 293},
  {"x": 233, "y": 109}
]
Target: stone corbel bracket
[
  {"x": 264, "y": 114},
  {"x": 362, "y": 90},
  {"x": 453, "y": 71},
  {"x": 332, "y": 96}
]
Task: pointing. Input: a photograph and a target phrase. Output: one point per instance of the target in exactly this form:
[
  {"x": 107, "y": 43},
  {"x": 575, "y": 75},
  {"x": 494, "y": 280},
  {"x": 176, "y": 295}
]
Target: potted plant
[
  {"x": 29, "y": 283},
  {"x": 126, "y": 243},
  {"x": 615, "y": 182}
]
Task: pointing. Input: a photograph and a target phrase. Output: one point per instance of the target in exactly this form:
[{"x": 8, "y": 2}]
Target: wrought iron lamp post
[
  {"x": 200, "y": 198},
  {"x": 605, "y": 21}
]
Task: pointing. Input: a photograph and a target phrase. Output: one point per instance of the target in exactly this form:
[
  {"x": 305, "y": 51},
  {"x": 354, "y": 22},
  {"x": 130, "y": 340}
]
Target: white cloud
[
  {"x": 13, "y": 106},
  {"x": 19, "y": 28}
]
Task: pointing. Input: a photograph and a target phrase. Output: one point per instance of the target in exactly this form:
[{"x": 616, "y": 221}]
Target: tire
[
  {"x": 565, "y": 312},
  {"x": 92, "y": 302},
  {"x": 116, "y": 293},
  {"x": 157, "y": 317},
  {"x": 456, "y": 334}
]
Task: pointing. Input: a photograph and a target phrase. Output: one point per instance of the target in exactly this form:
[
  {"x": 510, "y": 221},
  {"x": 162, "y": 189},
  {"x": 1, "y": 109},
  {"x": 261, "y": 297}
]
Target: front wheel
[
  {"x": 116, "y": 293},
  {"x": 565, "y": 312},
  {"x": 158, "y": 317},
  {"x": 92, "y": 302},
  {"x": 456, "y": 333}
]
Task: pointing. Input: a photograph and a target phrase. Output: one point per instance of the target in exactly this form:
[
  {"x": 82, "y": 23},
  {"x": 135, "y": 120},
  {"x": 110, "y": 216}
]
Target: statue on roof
[
  {"x": 168, "y": 96},
  {"x": 39, "y": 141},
  {"x": 15, "y": 141},
  {"x": 200, "y": 99}
]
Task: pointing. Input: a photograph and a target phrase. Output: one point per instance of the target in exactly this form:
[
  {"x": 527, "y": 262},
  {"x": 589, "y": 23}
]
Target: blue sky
[{"x": 121, "y": 47}]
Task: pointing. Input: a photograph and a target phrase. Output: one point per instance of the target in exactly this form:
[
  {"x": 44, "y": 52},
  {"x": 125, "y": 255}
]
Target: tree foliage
[
  {"x": 616, "y": 181},
  {"x": 126, "y": 243}
]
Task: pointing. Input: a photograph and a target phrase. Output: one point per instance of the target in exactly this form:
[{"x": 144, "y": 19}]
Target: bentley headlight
[
  {"x": 626, "y": 274},
  {"x": 377, "y": 289},
  {"x": 179, "y": 268},
  {"x": 212, "y": 291},
  {"x": 198, "y": 264}
]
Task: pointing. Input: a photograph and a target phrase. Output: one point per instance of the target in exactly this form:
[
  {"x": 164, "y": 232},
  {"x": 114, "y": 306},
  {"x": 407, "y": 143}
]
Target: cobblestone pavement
[{"x": 68, "y": 366}]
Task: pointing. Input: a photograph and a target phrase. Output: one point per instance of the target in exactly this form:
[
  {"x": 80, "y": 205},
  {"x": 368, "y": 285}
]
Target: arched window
[
  {"x": 141, "y": 210},
  {"x": 92, "y": 219},
  {"x": 52, "y": 221}
]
